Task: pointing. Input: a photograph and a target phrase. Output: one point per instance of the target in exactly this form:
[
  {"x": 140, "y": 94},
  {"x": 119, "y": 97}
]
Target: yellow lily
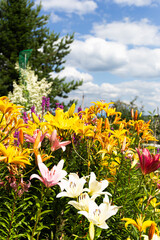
[
  {"x": 140, "y": 224},
  {"x": 7, "y": 107},
  {"x": 61, "y": 120},
  {"x": 83, "y": 130},
  {"x": 71, "y": 110},
  {"x": 14, "y": 155},
  {"x": 155, "y": 204}
]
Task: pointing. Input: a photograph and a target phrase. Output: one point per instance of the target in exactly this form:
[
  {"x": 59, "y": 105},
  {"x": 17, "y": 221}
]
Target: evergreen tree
[{"x": 23, "y": 27}]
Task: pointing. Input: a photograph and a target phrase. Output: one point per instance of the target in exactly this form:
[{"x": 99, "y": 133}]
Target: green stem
[
  {"x": 38, "y": 213},
  {"x": 140, "y": 237},
  {"x": 140, "y": 184},
  {"x": 2, "y": 118},
  {"x": 37, "y": 220},
  {"x": 30, "y": 171},
  {"x": 13, "y": 210},
  {"x": 118, "y": 177},
  {"x": 74, "y": 148}
]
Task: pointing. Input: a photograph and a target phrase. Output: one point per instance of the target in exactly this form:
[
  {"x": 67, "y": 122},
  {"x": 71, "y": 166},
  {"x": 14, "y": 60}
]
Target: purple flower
[
  {"x": 79, "y": 112},
  {"x": 43, "y": 104},
  {"x": 47, "y": 104},
  {"x": 79, "y": 109},
  {"x": 16, "y": 140},
  {"x": 33, "y": 109},
  {"x": 58, "y": 105},
  {"x": 25, "y": 118}
]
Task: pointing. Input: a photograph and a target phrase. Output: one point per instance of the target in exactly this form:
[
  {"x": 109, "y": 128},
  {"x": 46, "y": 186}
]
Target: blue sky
[{"x": 116, "y": 50}]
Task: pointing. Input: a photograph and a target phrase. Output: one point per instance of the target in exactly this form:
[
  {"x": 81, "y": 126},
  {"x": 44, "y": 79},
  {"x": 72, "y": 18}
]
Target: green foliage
[
  {"x": 154, "y": 117},
  {"x": 125, "y": 108}
]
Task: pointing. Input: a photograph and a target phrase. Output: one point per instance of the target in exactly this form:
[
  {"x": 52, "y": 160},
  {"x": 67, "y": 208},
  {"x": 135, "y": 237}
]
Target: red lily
[{"x": 148, "y": 162}]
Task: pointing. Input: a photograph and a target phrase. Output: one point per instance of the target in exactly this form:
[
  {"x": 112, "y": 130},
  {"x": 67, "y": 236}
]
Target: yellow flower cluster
[
  {"x": 10, "y": 121},
  {"x": 101, "y": 124}
]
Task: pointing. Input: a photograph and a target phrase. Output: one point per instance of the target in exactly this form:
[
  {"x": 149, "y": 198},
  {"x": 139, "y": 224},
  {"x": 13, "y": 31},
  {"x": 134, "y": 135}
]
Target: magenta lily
[
  {"x": 50, "y": 178},
  {"x": 148, "y": 162},
  {"x": 55, "y": 143}
]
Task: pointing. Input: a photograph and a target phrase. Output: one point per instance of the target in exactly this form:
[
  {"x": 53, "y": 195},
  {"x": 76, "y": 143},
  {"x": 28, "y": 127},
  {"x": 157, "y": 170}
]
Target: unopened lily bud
[
  {"x": 132, "y": 113},
  {"x": 37, "y": 142},
  {"x": 35, "y": 118},
  {"x": 107, "y": 125},
  {"x": 91, "y": 231},
  {"x": 89, "y": 163},
  {"x": 136, "y": 115},
  {"x": 151, "y": 231},
  {"x": 38, "y": 157},
  {"x": 21, "y": 137},
  {"x": 123, "y": 145}
]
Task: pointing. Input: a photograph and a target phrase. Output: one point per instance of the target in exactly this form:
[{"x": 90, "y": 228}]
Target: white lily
[
  {"x": 155, "y": 237},
  {"x": 99, "y": 214},
  {"x": 96, "y": 188},
  {"x": 73, "y": 186},
  {"x": 83, "y": 202},
  {"x": 112, "y": 209}
]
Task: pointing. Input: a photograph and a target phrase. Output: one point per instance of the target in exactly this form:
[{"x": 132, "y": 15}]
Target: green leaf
[
  {"x": 4, "y": 232},
  {"x": 4, "y": 225},
  {"x": 45, "y": 212}
]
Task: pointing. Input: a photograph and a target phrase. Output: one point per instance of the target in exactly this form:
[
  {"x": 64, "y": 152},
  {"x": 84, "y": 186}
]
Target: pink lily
[
  {"x": 148, "y": 162},
  {"x": 55, "y": 143},
  {"x": 35, "y": 135},
  {"x": 50, "y": 178}
]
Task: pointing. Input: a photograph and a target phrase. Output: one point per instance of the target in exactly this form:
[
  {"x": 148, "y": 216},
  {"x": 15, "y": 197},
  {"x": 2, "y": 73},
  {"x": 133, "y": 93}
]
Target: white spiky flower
[{"x": 31, "y": 92}]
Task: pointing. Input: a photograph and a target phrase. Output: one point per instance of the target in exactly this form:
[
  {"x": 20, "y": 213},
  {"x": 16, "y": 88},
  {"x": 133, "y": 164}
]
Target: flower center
[
  {"x": 72, "y": 185},
  {"x": 97, "y": 212}
]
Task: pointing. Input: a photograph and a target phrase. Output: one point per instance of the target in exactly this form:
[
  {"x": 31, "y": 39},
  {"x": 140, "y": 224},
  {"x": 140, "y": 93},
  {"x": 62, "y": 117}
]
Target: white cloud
[
  {"x": 127, "y": 32},
  {"x": 142, "y": 63},
  {"x": 148, "y": 93},
  {"x": 70, "y": 73},
  {"x": 138, "y": 3},
  {"x": 69, "y": 6},
  {"x": 95, "y": 54},
  {"x": 55, "y": 18}
]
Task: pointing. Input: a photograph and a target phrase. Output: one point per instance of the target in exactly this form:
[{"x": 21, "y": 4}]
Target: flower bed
[{"x": 78, "y": 175}]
